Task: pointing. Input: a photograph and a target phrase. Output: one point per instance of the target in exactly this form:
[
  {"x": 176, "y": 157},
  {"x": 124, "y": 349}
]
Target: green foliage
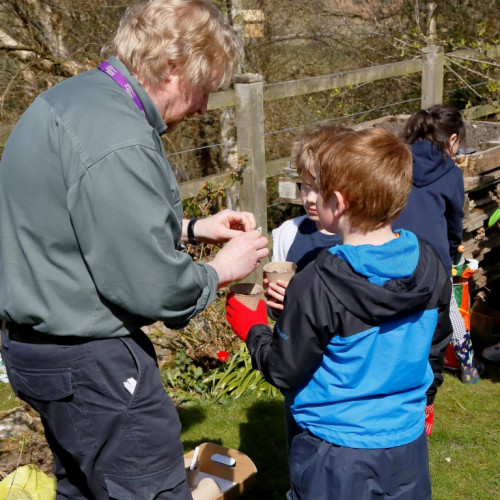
[
  {"x": 239, "y": 378},
  {"x": 207, "y": 334},
  {"x": 210, "y": 198},
  {"x": 185, "y": 377}
]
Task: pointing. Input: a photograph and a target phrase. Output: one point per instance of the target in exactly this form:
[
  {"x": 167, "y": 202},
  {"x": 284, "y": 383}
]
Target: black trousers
[
  {"x": 111, "y": 437},
  {"x": 323, "y": 471}
]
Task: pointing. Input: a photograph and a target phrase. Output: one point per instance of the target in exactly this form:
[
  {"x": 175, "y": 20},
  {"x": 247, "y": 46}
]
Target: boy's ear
[{"x": 342, "y": 203}]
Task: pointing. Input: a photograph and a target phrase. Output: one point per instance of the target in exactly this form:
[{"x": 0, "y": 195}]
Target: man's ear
[{"x": 171, "y": 70}]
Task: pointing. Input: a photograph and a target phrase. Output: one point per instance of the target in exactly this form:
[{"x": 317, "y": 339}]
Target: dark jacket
[
  {"x": 355, "y": 351},
  {"x": 434, "y": 210}
]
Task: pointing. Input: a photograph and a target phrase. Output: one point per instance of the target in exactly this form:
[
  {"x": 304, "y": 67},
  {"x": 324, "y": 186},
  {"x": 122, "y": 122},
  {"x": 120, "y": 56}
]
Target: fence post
[
  {"x": 249, "y": 105},
  {"x": 432, "y": 75}
]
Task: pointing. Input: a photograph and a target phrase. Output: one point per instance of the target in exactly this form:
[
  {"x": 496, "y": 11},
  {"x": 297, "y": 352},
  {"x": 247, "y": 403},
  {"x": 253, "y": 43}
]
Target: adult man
[{"x": 90, "y": 250}]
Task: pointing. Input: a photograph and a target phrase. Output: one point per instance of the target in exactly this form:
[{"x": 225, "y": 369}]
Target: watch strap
[{"x": 190, "y": 232}]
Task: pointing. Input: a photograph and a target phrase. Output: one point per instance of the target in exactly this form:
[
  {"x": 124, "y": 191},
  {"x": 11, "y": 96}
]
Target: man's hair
[
  {"x": 192, "y": 35},
  {"x": 305, "y": 147},
  {"x": 372, "y": 169}
]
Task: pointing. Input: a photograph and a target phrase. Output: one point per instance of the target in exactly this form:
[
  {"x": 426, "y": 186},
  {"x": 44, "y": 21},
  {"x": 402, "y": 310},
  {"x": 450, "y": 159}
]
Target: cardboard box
[{"x": 233, "y": 480}]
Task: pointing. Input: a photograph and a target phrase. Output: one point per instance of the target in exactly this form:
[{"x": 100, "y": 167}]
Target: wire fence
[{"x": 332, "y": 120}]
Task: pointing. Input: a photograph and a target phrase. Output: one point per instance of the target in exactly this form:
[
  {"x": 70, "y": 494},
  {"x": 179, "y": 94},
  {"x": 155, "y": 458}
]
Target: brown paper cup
[
  {"x": 248, "y": 294},
  {"x": 279, "y": 271},
  {"x": 192, "y": 475},
  {"x": 207, "y": 489}
]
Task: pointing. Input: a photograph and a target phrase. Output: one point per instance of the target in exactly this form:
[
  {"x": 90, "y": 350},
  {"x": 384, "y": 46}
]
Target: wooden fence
[{"x": 250, "y": 95}]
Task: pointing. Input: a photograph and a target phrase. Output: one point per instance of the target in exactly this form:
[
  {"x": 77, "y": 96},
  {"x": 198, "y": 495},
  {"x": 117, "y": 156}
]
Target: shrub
[{"x": 238, "y": 377}]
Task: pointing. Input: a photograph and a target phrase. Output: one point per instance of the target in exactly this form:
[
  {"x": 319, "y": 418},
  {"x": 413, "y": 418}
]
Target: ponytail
[{"x": 436, "y": 124}]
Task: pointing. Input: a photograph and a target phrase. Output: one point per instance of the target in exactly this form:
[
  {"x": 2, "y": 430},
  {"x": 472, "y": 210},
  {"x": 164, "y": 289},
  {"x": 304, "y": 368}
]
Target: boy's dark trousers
[
  {"x": 323, "y": 471},
  {"x": 109, "y": 439}
]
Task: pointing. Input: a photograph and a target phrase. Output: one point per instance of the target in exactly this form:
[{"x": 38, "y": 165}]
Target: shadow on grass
[
  {"x": 263, "y": 439},
  {"x": 190, "y": 417}
]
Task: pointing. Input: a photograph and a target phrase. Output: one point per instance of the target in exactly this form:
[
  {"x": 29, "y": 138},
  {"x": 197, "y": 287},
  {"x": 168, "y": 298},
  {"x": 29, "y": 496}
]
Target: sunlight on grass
[
  {"x": 464, "y": 447},
  {"x": 8, "y": 400}
]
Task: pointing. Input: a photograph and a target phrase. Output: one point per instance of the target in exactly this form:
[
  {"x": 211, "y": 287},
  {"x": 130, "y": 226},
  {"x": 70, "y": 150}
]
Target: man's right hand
[{"x": 239, "y": 257}]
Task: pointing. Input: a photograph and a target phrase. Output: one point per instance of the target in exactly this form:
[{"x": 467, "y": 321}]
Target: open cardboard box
[{"x": 233, "y": 480}]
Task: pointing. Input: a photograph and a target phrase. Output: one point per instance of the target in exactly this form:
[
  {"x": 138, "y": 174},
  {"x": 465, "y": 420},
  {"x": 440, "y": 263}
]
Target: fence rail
[
  {"x": 250, "y": 125},
  {"x": 250, "y": 94}
]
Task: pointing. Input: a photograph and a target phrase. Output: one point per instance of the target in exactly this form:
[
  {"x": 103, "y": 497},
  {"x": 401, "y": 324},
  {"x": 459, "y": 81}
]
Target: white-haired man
[{"x": 91, "y": 250}]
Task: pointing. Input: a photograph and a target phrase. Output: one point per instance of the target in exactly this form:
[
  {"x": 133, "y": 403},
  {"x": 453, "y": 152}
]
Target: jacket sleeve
[
  {"x": 440, "y": 339},
  {"x": 454, "y": 213},
  {"x": 126, "y": 213},
  {"x": 288, "y": 356}
]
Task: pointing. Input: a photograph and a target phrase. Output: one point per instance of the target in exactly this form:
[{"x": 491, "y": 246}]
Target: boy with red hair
[{"x": 354, "y": 338}]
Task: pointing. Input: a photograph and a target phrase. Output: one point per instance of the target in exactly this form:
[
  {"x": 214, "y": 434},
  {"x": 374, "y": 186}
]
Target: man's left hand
[{"x": 223, "y": 226}]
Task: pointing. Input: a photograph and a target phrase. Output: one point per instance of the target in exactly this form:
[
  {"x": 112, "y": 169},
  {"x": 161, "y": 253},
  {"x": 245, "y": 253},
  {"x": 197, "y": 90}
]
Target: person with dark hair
[
  {"x": 92, "y": 249},
  {"x": 435, "y": 207}
]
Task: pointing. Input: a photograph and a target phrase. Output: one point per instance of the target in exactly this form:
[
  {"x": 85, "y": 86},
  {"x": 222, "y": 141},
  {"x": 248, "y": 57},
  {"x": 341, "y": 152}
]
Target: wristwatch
[{"x": 190, "y": 232}]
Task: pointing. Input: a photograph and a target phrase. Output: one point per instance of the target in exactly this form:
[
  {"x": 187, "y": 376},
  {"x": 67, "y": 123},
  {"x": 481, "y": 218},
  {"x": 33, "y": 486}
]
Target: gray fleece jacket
[{"x": 90, "y": 216}]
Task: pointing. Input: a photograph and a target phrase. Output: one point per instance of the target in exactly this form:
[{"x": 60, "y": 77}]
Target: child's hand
[
  {"x": 241, "y": 318},
  {"x": 275, "y": 294}
]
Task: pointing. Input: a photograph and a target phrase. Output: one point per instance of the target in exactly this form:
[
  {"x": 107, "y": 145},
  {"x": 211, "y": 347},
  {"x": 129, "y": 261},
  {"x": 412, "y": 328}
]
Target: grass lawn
[{"x": 464, "y": 446}]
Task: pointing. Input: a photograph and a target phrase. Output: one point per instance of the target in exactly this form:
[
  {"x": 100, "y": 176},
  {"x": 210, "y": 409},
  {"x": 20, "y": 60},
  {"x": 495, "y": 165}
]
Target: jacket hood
[
  {"x": 429, "y": 163},
  {"x": 372, "y": 303}
]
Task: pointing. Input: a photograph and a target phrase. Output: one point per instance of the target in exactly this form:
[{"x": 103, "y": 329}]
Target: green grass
[
  {"x": 8, "y": 400},
  {"x": 464, "y": 447}
]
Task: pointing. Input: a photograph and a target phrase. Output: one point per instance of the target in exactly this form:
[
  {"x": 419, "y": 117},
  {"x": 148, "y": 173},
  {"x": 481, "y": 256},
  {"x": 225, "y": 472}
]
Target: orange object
[{"x": 450, "y": 358}]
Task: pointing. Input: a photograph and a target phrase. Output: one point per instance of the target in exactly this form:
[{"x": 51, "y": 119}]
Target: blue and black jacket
[{"x": 353, "y": 342}]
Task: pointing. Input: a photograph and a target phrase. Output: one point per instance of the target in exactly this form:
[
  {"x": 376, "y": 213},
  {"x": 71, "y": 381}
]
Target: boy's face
[
  {"x": 308, "y": 195},
  {"x": 326, "y": 211}
]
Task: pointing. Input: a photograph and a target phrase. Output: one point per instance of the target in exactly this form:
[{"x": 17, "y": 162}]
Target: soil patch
[{"x": 480, "y": 135}]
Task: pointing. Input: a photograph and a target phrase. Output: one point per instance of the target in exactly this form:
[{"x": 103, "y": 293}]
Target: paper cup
[
  {"x": 279, "y": 271},
  {"x": 192, "y": 475},
  {"x": 207, "y": 489},
  {"x": 248, "y": 294}
]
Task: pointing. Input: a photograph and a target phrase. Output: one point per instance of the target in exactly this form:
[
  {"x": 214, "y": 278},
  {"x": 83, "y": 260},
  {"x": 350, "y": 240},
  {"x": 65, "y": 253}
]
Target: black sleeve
[
  {"x": 454, "y": 213},
  {"x": 288, "y": 356}
]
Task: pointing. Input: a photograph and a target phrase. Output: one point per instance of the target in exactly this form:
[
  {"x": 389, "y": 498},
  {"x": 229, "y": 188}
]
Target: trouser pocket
[
  {"x": 167, "y": 484},
  {"x": 52, "y": 393}
]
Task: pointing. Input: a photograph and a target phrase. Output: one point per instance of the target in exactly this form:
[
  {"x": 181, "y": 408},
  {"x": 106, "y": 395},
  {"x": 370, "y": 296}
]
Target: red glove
[
  {"x": 241, "y": 318},
  {"x": 429, "y": 419}
]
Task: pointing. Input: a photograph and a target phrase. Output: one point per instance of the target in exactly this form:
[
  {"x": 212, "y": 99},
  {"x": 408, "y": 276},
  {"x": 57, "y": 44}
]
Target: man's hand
[
  {"x": 239, "y": 257},
  {"x": 241, "y": 318},
  {"x": 222, "y": 226}
]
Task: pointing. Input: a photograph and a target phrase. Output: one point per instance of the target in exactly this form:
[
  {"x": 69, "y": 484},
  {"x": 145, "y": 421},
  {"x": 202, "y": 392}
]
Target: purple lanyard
[{"x": 118, "y": 77}]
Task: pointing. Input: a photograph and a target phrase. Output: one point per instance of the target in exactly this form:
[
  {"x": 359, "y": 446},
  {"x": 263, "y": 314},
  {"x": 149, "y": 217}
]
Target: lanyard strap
[{"x": 118, "y": 77}]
